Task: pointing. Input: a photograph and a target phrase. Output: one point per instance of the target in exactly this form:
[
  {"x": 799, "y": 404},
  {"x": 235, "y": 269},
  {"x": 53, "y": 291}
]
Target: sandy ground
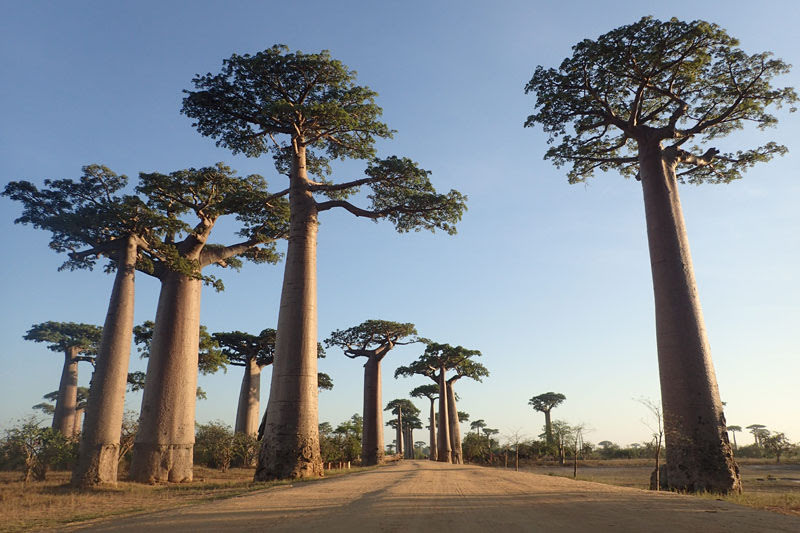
[{"x": 412, "y": 496}]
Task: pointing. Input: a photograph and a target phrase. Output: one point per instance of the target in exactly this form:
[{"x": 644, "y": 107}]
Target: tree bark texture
[
  {"x": 76, "y": 429},
  {"x": 408, "y": 442},
  {"x": 98, "y": 456},
  {"x": 290, "y": 446},
  {"x": 372, "y": 441},
  {"x": 249, "y": 398},
  {"x": 165, "y": 440},
  {"x": 548, "y": 428},
  {"x": 445, "y": 450},
  {"x": 433, "y": 449},
  {"x": 455, "y": 426},
  {"x": 67, "y": 400},
  {"x": 399, "y": 437},
  {"x": 699, "y": 456}
]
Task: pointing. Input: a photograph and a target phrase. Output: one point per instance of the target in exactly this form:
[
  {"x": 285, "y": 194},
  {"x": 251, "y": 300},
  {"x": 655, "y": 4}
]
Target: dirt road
[{"x": 412, "y": 496}]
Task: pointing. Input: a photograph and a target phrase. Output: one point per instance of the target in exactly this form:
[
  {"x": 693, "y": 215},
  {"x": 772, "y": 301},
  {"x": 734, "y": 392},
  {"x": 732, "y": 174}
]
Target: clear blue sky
[{"x": 550, "y": 281}]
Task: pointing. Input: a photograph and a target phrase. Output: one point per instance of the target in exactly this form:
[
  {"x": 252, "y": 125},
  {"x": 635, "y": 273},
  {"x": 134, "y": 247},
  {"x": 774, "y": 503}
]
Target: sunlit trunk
[
  {"x": 372, "y": 442},
  {"x": 400, "y": 447},
  {"x": 165, "y": 440},
  {"x": 290, "y": 446},
  {"x": 445, "y": 450},
  {"x": 76, "y": 429},
  {"x": 67, "y": 400},
  {"x": 98, "y": 457},
  {"x": 699, "y": 456},
  {"x": 455, "y": 426},
  {"x": 434, "y": 451},
  {"x": 249, "y": 398}
]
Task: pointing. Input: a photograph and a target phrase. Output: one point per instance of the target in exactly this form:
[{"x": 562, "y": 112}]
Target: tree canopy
[
  {"x": 372, "y": 336},
  {"x": 437, "y": 356},
  {"x": 239, "y": 347},
  {"x": 547, "y": 401},
  {"x": 429, "y": 391},
  {"x": 89, "y": 216},
  {"x": 657, "y": 81},
  {"x": 62, "y": 336},
  {"x": 280, "y": 102}
]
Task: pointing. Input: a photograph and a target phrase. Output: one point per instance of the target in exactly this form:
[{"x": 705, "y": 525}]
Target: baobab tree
[
  {"x": 81, "y": 399},
  {"x": 401, "y": 408},
  {"x": 431, "y": 392},
  {"x": 90, "y": 218},
  {"x": 372, "y": 339},
  {"x": 163, "y": 448},
  {"x": 633, "y": 100},
  {"x": 78, "y": 342},
  {"x": 434, "y": 363},
  {"x": 733, "y": 430},
  {"x": 758, "y": 431},
  {"x": 307, "y": 109},
  {"x": 253, "y": 352},
  {"x": 545, "y": 403}
]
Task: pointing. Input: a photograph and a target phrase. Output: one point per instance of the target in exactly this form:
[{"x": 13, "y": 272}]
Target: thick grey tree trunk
[
  {"x": 445, "y": 451},
  {"x": 165, "y": 440},
  {"x": 408, "y": 442},
  {"x": 67, "y": 400},
  {"x": 434, "y": 451},
  {"x": 372, "y": 449},
  {"x": 290, "y": 446},
  {"x": 249, "y": 398},
  {"x": 699, "y": 456},
  {"x": 455, "y": 425},
  {"x": 98, "y": 456}
]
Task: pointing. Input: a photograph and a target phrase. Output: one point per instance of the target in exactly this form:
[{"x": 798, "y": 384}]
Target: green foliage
[
  {"x": 239, "y": 347},
  {"x": 547, "y": 401},
  {"x": 206, "y": 194},
  {"x": 403, "y": 193},
  {"x": 437, "y": 356},
  {"x": 33, "y": 449},
  {"x": 61, "y": 336},
  {"x": 214, "y": 445},
  {"x": 429, "y": 391},
  {"x": 658, "y": 81},
  {"x": 324, "y": 381},
  {"x": 254, "y": 98},
  {"x": 245, "y": 449},
  {"x": 288, "y": 102},
  {"x": 342, "y": 443},
  {"x": 407, "y": 407},
  {"x": 371, "y": 335},
  {"x": 89, "y": 212},
  {"x": 211, "y": 358}
]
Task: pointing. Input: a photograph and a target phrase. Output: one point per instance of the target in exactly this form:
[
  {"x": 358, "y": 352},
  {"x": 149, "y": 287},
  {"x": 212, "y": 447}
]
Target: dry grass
[
  {"x": 52, "y": 503},
  {"x": 766, "y": 485}
]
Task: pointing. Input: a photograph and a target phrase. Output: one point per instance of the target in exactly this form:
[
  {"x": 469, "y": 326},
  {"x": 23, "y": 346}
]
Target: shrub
[{"x": 214, "y": 445}]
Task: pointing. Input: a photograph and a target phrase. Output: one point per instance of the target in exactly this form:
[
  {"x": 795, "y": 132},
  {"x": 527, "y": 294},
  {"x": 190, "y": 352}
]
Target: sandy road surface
[{"x": 412, "y": 496}]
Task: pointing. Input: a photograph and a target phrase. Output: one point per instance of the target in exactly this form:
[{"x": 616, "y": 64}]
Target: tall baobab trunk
[
  {"x": 290, "y": 446},
  {"x": 445, "y": 450},
  {"x": 432, "y": 427},
  {"x": 399, "y": 437},
  {"x": 165, "y": 440},
  {"x": 98, "y": 456},
  {"x": 455, "y": 425},
  {"x": 67, "y": 400},
  {"x": 372, "y": 440},
  {"x": 548, "y": 428},
  {"x": 699, "y": 456},
  {"x": 249, "y": 397},
  {"x": 76, "y": 429},
  {"x": 408, "y": 442}
]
